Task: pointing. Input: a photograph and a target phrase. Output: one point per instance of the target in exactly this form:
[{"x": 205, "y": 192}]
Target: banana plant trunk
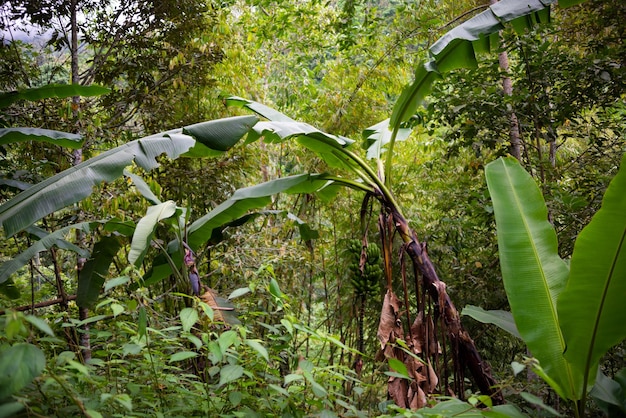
[{"x": 462, "y": 346}]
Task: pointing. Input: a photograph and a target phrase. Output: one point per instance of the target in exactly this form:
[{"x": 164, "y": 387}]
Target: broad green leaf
[
  {"x": 62, "y": 139},
  {"x": 399, "y": 367},
  {"x": 182, "y": 355},
  {"x": 10, "y": 409},
  {"x": 76, "y": 183},
  {"x": 535, "y": 400},
  {"x": 293, "y": 377},
  {"x": 117, "y": 226},
  {"x": 118, "y": 281},
  {"x": 257, "y": 346},
  {"x": 188, "y": 318},
  {"x": 458, "y": 47},
  {"x": 275, "y": 289},
  {"x": 54, "y": 239},
  {"x": 591, "y": 308},
  {"x": 522, "y": 15},
  {"x": 235, "y": 398},
  {"x": 19, "y": 365},
  {"x": 124, "y": 400},
  {"x": 229, "y": 373},
  {"x": 502, "y": 319},
  {"x": 15, "y": 184},
  {"x": 59, "y": 91},
  {"x": 95, "y": 271},
  {"x": 532, "y": 271},
  {"x": 218, "y": 136},
  {"x": 609, "y": 392},
  {"x": 9, "y": 289},
  {"x": 227, "y": 339},
  {"x": 250, "y": 198},
  {"x": 318, "y": 390},
  {"x": 145, "y": 229},
  {"x": 239, "y": 292},
  {"x": 142, "y": 324},
  {"x": 40, "y": 324}
]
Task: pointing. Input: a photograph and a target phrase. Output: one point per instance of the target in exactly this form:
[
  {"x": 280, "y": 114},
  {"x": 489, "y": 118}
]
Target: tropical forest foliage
[{"x": 347, "y": 208}]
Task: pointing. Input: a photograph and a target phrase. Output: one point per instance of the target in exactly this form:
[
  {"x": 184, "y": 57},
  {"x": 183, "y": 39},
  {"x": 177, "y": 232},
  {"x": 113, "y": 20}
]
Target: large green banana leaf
[
  {"x": 62, "y": 139},
  {"x": 458, "y": 47},
  {"x": 533, "y": 273},
  {"x": 591, "y": 308},
  {"x": 57, "y": 239},
  {"x": 49, "y": 91},
  {"x": 249, "y": 198},
  {"x": 76, "y": 183},
  {"x": 145, "y": 229},
  {"x": 96, "y": 270}
]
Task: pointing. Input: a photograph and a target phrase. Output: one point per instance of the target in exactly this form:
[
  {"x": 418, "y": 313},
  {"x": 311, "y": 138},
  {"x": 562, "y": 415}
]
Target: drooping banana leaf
[
  {"x": 532, "y": 271},
  {"x": 62, "y": 139},
  {"x": 49, "y": 91},
  {"x": 76, "y": 183},
  {"x": 458, "y": 47},
  {"x": 281, "y": 128},
  {"x": 249, "y": 198},
  {"x": 144, "y": 231},
  {"x": 591, "y": 308},
  {"x": 56, "y": 238},
  {"x": 95, "y": 271}
]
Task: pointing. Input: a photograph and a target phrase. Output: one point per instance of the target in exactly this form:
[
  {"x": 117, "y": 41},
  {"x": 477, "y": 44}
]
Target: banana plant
[{"x": 569, "y": 316}]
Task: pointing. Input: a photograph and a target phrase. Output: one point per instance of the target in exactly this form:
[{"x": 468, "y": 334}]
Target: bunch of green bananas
[{"x": 366, "y": 281}]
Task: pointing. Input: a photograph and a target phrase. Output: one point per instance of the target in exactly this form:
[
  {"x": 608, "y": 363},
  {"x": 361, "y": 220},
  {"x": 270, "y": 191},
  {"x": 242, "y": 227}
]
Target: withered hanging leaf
[
  {"x": 416, "y": 396},
  {"x": 424, "y": 335},
  {"x": 398, "y": 389},
  {"x": 389, "y": 327},
  {"x": 433, "y": 379}
]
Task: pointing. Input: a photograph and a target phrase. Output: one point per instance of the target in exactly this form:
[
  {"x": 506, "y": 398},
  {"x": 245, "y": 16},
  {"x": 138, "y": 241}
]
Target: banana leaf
[
  {"x": 96, "y": 270},
  {"x": 249, "y": 198},
  {"x": 145, "y": 229},
  {"x": 532, "y": 271},
  {"x": 62, "y": 139},
  {"x": 459, "y": 46},
  {"x": 54, "y": 239},
  {"x": 49, "y": 91},
  {"x": 591, "y": 308},
  {"x": 76, "y": 183}
]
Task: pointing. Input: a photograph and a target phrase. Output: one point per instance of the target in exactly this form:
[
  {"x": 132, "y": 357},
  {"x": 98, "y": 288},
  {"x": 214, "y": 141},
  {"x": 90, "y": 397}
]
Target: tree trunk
[
  {"x": 77, "y": 158},
  {"x": 515, "y": 137}
]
